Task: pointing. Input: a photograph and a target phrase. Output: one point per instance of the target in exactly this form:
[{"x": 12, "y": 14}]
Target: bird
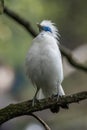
[{"x": 43, "y": 62}]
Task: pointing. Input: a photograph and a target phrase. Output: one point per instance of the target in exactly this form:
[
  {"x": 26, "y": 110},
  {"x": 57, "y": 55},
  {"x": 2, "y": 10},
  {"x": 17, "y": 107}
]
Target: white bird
[{"x": 44, "y": 63}]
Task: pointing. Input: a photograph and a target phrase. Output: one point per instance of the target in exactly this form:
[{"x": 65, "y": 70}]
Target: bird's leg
[
  {"x": 34, "y": 98},
  {"x": 58, "y": 91}
]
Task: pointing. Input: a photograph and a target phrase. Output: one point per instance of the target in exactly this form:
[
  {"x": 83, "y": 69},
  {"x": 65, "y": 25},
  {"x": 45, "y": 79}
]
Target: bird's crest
[{"x": 52, "y": 27}]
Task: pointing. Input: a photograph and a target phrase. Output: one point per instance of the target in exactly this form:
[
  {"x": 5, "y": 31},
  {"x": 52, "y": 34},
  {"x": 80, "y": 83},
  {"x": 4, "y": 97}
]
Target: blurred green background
[{"x": 70, "y": 17}]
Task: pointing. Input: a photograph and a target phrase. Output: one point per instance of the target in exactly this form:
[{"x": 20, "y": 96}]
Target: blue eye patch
[{"x": 46, "y": 28}]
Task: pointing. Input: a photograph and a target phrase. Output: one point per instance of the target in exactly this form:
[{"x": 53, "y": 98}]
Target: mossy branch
[{"x": 26, "y": 108}]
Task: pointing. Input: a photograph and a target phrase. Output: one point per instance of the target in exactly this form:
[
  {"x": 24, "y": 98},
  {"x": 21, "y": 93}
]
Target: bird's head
[{"x": 48, "y": 26}]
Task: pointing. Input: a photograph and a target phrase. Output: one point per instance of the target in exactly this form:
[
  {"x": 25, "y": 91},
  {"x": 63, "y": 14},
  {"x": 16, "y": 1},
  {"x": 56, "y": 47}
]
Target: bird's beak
[{"x": 39, "y": 26}]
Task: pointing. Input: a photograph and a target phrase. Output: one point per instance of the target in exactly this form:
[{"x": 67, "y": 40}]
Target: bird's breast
[{"x": 44, "y": 65}]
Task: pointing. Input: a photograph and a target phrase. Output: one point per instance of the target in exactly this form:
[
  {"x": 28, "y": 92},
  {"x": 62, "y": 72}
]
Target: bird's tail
[
  {"x": 40, "y": 95},
  {"x": 61, "y": 91}
]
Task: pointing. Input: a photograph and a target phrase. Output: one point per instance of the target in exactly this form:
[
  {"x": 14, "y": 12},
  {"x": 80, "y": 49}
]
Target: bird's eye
[{"x": 45, "y": 28}]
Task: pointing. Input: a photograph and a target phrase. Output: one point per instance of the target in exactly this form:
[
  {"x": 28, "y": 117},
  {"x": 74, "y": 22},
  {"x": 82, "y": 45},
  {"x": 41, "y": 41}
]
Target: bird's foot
[
  {"x": 56, "y": 96},
  {"x": 64, "y": 105}
]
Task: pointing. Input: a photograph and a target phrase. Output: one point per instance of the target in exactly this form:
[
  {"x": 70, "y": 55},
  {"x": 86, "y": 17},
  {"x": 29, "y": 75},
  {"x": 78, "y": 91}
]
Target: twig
[
  {"x": 41, "y": 121},
  {"x": 74, "y": 62},
  {"x": 20, "y": 20},
  {"x": 26, "y": 108},
  {"x": 26, "y": 24}
]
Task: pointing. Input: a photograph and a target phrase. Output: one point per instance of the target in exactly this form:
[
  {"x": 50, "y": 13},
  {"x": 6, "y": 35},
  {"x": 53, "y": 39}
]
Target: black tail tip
[
  {"x": 56, "y": 108},
  {"x": 65, "y": 106}
]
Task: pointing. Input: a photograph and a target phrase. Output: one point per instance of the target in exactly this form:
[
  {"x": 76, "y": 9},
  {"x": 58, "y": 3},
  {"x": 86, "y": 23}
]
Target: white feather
[{"x": 44, "y": 63}]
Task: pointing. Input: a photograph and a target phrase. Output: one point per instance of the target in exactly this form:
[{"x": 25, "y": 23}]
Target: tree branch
[
  {"x": 41, "y": 121},
  {"x": 23, "y": 22},
  {"x": 26, "y": 108},
  {"x": 26, "y": 24},
  {"x": 74, "y": 62}
]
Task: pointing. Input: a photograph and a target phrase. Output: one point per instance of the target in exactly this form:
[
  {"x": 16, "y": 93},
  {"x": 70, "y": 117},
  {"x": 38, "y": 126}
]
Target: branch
[
  {"x": 74, "y": 62},
  {"x": 26, "y": 24},
  {"x": 20, "y": 20},
  {"x": 41, "y": 121},
  {"x": 26, "y": 108}
]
